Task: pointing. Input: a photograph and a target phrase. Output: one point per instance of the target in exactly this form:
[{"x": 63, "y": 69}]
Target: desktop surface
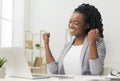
[{"x": 69, "y": 78}]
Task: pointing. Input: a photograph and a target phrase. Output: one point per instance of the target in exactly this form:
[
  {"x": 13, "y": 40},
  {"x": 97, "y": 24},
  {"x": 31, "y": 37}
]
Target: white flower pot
[{"x": 2, "y": 72}]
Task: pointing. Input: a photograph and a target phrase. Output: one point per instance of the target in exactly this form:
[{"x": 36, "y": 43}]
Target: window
[{"x": 6, "y": 20}]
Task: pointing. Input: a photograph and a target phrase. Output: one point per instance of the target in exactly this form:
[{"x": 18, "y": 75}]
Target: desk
[{"x": 74, "y": 78}]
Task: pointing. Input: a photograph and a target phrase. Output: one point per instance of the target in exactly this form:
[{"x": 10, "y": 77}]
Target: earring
[{"x": 87, "y": 27}]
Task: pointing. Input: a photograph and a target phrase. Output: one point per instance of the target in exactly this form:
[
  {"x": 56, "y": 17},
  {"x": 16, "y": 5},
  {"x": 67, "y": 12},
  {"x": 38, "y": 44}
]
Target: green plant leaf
[{"x": 2, "y": 61}]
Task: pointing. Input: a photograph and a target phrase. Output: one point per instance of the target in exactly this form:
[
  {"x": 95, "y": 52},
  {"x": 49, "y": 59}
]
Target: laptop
[{"x": 16, "y": 65}]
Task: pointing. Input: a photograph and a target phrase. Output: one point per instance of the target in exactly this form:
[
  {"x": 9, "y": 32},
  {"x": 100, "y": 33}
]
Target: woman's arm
[
  {"x": 97, "y": 52},
  {"x": 96, "y": 65},
  {"x": 93, "y": 36},
  {"x": 49, "y": 56},
  {"x": 52, "y": 64}
]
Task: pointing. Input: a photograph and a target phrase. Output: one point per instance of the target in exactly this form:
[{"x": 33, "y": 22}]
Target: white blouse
[{"x": 71, "y": 61}]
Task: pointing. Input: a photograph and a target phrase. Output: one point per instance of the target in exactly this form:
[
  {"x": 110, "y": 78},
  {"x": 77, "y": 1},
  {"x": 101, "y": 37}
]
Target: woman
[{"x": 85, "y": 54}]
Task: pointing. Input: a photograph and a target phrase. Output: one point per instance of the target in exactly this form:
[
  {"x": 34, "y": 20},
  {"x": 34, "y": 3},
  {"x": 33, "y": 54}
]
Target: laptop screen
[{"x": 16, "y": 64}]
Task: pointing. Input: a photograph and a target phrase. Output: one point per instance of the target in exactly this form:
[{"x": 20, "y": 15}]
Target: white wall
[
  {"x": 18, "y": 23},
  {"x": 26, "y": 13},
  {"x": 53, "y": 16}
]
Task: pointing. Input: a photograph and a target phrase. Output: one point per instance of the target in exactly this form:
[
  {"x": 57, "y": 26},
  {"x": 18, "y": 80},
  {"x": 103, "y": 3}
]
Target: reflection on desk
[{"x": 69, "y": 78}]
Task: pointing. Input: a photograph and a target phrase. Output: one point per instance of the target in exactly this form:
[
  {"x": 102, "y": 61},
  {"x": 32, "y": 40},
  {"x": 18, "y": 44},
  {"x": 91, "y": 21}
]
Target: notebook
[{"x": 16, "y": 65}]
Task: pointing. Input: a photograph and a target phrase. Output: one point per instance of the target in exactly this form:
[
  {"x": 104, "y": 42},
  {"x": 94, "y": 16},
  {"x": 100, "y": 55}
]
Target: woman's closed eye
[{"x": 76, "y": 23}]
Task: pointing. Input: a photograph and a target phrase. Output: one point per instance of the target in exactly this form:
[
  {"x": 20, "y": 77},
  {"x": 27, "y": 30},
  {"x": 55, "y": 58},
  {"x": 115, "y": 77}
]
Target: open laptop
[{"x": 17, "y": 65}]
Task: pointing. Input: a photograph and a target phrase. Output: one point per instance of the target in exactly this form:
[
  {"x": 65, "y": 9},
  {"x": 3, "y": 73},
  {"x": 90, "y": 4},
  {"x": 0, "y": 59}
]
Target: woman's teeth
[{"x": 71, "y": 30}]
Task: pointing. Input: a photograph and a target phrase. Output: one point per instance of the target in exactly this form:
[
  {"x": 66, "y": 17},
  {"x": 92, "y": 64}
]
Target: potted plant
[
  {"x": 2, "y": 69},
  {"x": 37, "y": 45}
]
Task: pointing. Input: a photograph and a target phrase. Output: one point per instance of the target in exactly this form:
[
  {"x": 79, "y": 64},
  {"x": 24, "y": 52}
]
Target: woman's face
[{"x": 77, "y": 24}]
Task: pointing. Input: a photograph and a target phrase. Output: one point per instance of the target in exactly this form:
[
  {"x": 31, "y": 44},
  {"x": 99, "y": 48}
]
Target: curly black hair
[{"x": 92, "y": 17}]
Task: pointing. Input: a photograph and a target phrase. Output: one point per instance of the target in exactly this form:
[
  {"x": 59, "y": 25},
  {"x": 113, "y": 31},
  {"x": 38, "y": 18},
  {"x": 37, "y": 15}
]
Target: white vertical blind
[
  {"x": 6, "y": 34},
  {"x": 7, "y": 9},
  {"x": 0, "y": 9},
  {"x": 0, "y": 19},
  {"x": 6, "y": 23}
]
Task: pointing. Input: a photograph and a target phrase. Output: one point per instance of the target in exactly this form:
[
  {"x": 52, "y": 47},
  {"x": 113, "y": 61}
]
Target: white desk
[{"x": 75, "y": 78}]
